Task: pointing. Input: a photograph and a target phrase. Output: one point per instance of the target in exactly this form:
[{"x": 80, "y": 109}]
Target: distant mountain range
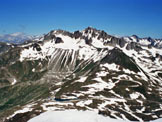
[
  {"x": 86, "y": 70},
  {"x": 145, "y": 41},
  {"x": 16, "y": 38}
]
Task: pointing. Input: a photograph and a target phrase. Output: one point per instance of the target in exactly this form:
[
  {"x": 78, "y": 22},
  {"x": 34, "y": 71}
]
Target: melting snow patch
[
  {"x": 82, "y": 79},
  {"x": 24, "y": 110},
  {"x": 14, "y": 81},
  {"x": 33, "y": 70},
  {"x": 101, "y": 74},
  {"x": 128, "y": 71},
  {"x": 99, "y": 86},
  {"x": 55, "y": 105},
  {"x": 110, "y": 85},
  {"x": 135, "y": 95},
  {"x": 83, "y": 103}
]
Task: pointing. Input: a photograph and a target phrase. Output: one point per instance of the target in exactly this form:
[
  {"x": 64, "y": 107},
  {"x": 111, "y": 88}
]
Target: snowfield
[
  {"x": 75, "y": 116},
  {"x": 72, "y": 116}
]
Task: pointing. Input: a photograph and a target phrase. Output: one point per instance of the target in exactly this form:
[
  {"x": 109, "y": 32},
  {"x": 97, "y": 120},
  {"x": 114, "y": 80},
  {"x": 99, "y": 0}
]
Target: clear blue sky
[{"x": 117, "y": 17}]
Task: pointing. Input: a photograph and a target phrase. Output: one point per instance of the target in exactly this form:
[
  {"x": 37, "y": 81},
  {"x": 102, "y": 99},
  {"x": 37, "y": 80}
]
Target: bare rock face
[
  {"x": 77, "y": 34},
  {"x": 88, "y": 40},
  {"x": 103, "y": 35},
  {"x": 49, "y": 36},
  {"x": 133, "y": 46},
  {"x": 59, "y": 40},
  {"x": 117, "y": 41},
  {"x": 36, "y": 46}
]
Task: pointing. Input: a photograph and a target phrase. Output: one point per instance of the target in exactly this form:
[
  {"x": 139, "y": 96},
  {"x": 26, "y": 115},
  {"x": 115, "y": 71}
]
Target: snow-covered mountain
[
  {"x": 145, "y": 41},
  {"x": 85, "y": 70}
]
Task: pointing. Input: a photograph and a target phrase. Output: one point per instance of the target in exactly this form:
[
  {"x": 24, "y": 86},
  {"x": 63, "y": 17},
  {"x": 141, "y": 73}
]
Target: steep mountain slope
[{"x": 84, "y": 70}]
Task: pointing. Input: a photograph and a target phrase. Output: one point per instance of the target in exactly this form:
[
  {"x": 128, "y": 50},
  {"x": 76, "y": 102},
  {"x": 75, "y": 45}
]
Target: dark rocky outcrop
[
  {"x": 151, "y": 40},
  {"x": 117, "y": 41},
  {"x": 49, "y": 36},
  {"x": 103, "y": 35},
  {"x": 65, "y": 33},
  {"x": 133, "y": 46},
  {"x": 59, "y": 40},
  {"x": 88, "y": 40},
  {"x": 77, "y": 34},
  {"x": 135, "y": 37},
  {"x": 90, "y": 30},
  {"x": 36, "y": 46}
]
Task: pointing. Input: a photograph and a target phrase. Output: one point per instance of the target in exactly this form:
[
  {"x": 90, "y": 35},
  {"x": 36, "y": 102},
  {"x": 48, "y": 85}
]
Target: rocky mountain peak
[
  {"x": 84, "y": 70},
  {"x": 90, "y": 29},
  {"x": 135, "y": 36}
]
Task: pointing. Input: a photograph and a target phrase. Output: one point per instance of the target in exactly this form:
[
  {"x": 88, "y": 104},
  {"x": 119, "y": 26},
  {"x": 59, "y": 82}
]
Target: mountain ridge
[
  {"x": 19, "y": 35},
  {"x": 83, "y": 70}
]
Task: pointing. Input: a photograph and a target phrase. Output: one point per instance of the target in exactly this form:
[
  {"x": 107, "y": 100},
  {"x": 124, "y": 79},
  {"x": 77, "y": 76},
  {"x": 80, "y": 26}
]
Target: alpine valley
[{"x": 86, "y": 71}]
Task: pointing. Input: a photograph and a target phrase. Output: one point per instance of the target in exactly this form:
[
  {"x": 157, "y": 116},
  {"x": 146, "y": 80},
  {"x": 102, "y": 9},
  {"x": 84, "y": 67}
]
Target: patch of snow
[
  {"x": 68, "y": 97},
  {"x": 14, "y": 81},
  {"x": 69, "y": 43},
  {"x": 33, "y": 70},
  {"x": 90, "y": 53},
  {"x": 97, "y": 43},
  {"x": 102, "y": 73},
  {"x": 112, "y": 66},
  {"x": 141, "y": 111},
  {"x": 99, "y": 86},
  {"x": 100, "y": 44},
  {"x": 83, "y": 103},
  {"x": 55, "y": 105},
  {"x": 24, "y": 110},
  {"x": 110, "y": 85},
  {"x": 82, "y": 79},
  {"x": 144, "y": 42},
  {"x": 128, "y": 71},
  {"x": 136, "y": 95}
]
